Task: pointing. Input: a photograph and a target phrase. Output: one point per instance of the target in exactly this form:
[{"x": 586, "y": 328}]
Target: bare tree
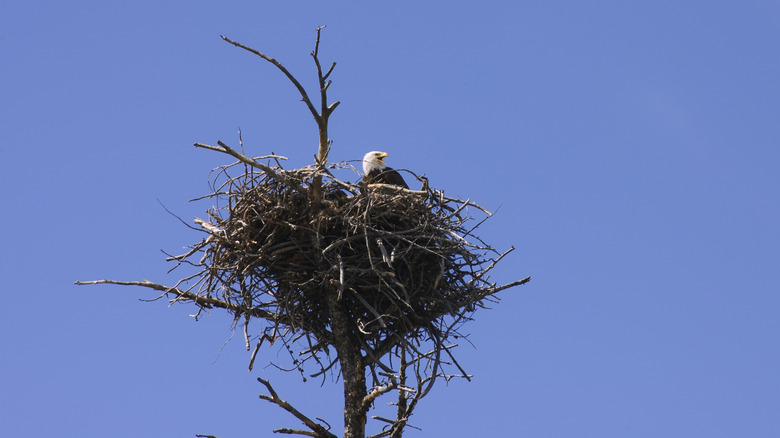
[{"x": 371, "y": 282}]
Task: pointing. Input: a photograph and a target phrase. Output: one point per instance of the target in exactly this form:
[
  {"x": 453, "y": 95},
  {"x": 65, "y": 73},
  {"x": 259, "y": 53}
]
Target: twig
[
  {"x": 471, "y": 204},
  {"x": 212, "y": 228},
  {"x": 378, "y": 391},
  {"x": 288, "y": 431},
  {"x": 200, "y": 300},
  {"x": 317, "y": 429},
  {"x": 225, "y": 149},
  {"x": 508, "y": 285}
]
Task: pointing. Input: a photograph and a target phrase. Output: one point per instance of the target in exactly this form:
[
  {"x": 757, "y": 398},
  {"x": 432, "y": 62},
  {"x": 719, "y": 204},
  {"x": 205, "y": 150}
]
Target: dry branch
[
  {"x": 304, "y": 95},
  {"x": 317, "y": 430},
  {"x": 201, "y": 300}
]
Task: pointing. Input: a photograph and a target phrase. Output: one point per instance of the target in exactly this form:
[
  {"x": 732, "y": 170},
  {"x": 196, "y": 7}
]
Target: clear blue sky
[{"x": 633, "y": 149}]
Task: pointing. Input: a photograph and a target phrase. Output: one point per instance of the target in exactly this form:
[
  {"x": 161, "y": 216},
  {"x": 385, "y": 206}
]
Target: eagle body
[{"x": 376, "y": 171}]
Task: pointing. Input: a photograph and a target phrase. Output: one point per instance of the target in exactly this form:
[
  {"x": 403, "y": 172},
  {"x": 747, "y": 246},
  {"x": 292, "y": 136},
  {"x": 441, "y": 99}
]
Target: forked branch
[
  {"x": 320, "y": 117},
  {"x": 317, "y": 430},
  {"x": 326, "y": 110}
]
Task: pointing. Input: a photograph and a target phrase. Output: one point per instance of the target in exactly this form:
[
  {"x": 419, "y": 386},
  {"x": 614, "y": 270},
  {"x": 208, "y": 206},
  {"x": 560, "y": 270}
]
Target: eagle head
[{"x": 373, "y": 161}]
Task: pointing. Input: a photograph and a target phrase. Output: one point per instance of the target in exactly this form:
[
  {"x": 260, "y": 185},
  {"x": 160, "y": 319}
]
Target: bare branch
[
  {"x": 212, "y": 228},
  {"x": 225, "y": 149},
  {"x": 493, "y": 264},
  {"x": 330, "y": 70},
  {"x": 295, "y": 432},
  {"x": 324, "y": 111},
  {"x": 322, "y": 122},
  {"x": 378, "y": 391},
  {"x": 318, "y": 430},
  {"x": 304, "y": 96},
  {"x": 508, "y": 285},
  {"x": 471, "y": 204},
  {"x": 200, "y": 300}
]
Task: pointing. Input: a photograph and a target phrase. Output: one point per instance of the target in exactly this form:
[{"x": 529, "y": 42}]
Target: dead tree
[{"x": 369, "y": 282}]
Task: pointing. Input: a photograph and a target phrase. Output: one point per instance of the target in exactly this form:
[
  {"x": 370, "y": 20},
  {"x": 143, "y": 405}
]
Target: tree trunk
[
  {"x": 353, "y": 370},
  {"x": 322, "y": 158}
]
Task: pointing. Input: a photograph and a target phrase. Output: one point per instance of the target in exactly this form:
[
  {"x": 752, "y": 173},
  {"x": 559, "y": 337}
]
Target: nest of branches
[
  {"x": 404, "y": 264},
  {"x": 379, "y": 275}
]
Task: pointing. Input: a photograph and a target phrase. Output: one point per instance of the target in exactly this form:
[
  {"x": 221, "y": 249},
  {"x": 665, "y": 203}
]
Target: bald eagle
[{"x": 377, "y": 172}]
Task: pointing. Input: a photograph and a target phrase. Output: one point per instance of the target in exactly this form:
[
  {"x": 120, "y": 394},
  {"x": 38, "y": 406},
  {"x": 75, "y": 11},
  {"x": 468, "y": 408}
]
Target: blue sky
[{"x": 630, "y": 148}]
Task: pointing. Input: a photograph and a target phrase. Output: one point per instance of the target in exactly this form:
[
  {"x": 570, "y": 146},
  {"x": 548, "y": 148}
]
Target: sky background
[{"x": 631, "y": 149}]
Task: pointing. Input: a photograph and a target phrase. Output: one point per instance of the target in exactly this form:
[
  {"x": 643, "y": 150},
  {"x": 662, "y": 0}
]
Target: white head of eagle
[{"x": 376, "y": 171}]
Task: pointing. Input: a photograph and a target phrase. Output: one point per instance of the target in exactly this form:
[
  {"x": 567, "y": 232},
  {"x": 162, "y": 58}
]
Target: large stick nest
[{"x": 401, "y": 261}]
